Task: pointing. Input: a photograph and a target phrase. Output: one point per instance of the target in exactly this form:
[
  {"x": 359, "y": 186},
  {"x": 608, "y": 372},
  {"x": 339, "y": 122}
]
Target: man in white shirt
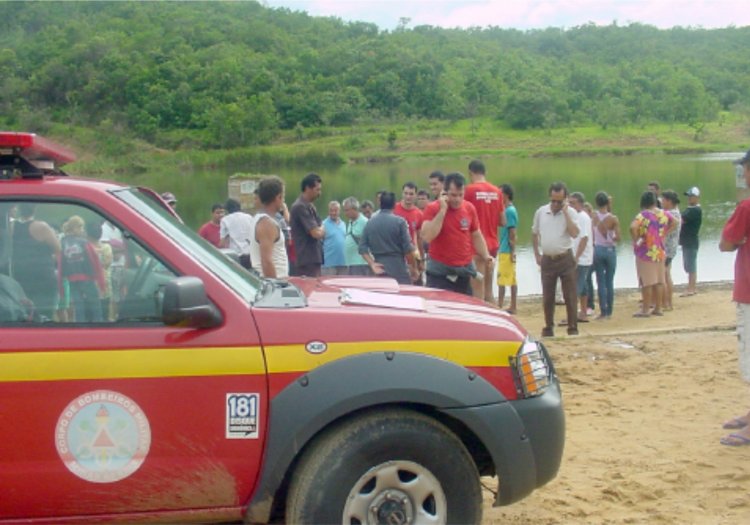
[
  {"x": 583, "y": 248},
  {"x": 235, "y": 231},
  {"x": 555, "y": 226},
  {"x": 267, "y": 246}
]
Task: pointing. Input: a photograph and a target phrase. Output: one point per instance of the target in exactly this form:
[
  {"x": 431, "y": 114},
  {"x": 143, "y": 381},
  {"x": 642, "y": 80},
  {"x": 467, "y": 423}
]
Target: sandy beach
[{"x": 644, "y": 402}]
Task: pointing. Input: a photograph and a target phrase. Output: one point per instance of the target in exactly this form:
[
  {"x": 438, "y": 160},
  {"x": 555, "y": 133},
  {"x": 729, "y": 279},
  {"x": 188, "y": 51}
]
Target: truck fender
[{"x": 324, "y": 394}]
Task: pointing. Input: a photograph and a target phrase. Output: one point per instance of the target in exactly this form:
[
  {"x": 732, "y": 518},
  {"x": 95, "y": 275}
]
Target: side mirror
[{"x": 185, "y": 303}]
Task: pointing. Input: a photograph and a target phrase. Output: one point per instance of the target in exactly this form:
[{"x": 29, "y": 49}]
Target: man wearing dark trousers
[
  {"x": 555, "y": 226},
  {"x": 307, "y": 229}
]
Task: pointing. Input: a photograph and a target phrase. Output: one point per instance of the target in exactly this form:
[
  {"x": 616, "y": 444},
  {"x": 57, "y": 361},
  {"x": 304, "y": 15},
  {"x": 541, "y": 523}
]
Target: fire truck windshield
[{"x": 246, "y": 284}]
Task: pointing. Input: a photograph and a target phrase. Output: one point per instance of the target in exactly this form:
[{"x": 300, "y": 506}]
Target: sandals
[{"x": 641, "y": 314}]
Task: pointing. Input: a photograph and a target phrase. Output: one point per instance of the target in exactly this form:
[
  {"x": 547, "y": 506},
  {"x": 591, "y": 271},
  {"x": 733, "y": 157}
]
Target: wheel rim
[{"x": 396, "y": 493}]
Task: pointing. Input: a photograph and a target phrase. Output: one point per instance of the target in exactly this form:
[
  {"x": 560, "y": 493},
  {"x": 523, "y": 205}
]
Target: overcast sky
[{"x": 528, "y": 14}]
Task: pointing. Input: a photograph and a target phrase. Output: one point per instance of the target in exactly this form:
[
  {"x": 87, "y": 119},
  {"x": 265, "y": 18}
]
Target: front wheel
[{"x": 392, "y": 466}]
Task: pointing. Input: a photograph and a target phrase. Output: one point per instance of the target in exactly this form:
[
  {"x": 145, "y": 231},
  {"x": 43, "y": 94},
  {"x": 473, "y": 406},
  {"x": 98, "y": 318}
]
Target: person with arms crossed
[
  {"x": 734, "y": 237},
  {"x": 307, "y": 229}
]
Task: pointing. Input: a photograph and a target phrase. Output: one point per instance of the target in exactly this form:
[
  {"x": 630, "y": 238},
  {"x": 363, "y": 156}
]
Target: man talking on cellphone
[
  {"x": 554, "y": 228},
  {"x": 451, "y": 226}
]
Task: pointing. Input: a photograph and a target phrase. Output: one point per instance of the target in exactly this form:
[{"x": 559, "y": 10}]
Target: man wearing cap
[
  {"x": 734, "y": 238},
  {"x": 170, "y": 199},
  {"x": 691, "y": 225}
]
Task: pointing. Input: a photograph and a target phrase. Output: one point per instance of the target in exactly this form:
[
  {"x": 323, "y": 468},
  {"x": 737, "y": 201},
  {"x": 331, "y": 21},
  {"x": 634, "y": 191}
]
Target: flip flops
[
  {"x": 641, "y": 314},
  {"x": 735, "y": 440}
]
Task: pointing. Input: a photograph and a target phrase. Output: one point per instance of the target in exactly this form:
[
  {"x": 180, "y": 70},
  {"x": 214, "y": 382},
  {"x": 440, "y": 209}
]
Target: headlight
[{"x": 532, "y": 371}]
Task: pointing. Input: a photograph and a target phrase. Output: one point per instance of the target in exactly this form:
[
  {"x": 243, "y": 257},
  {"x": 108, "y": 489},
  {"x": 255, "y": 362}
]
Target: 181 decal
[{"x": 242, "y": 415}]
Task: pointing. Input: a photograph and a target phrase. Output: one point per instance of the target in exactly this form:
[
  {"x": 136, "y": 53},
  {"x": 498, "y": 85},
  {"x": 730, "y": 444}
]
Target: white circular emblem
[
  {"x": 316, "y": 347},
  {"x": 102, "y": 436}
]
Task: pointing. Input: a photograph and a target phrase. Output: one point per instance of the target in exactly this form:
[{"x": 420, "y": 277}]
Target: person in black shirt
[
  {"x": 307, "y": 229},
  {"x": 35, "y": 251},
  {"x": 691, "y": 225}
]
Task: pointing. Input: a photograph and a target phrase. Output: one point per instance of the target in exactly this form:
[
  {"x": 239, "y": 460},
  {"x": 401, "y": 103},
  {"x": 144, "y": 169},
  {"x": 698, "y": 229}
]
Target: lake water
[{"x": 623, "y": 177}]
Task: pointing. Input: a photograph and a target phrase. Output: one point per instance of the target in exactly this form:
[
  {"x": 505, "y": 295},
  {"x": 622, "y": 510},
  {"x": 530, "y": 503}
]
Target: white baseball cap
[{"x": 693, "y": 192}]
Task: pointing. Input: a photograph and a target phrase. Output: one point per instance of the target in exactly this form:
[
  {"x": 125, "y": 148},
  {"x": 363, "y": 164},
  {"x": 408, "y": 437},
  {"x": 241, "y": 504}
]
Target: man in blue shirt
[{"x": 334, "y": 259}]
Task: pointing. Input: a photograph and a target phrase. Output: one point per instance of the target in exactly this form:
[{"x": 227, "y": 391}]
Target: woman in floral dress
[{"x": 649, "y": 230}]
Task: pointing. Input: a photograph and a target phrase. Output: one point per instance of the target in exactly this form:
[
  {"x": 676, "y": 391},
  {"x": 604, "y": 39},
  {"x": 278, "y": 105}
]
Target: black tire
[{"x": 396, "y": 463}]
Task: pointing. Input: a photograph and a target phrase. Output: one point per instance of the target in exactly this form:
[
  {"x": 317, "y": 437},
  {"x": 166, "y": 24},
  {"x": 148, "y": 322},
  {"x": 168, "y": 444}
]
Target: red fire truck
[{"x": 187, "y": 389}]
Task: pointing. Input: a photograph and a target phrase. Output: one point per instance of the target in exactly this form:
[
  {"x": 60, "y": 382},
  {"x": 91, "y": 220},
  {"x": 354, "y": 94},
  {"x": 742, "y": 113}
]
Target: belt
[{"x": 557, "y": 256}]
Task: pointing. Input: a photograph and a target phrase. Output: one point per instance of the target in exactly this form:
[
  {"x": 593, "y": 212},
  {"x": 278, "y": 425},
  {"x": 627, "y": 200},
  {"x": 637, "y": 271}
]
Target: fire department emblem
[{"x": 102, "y": 436}]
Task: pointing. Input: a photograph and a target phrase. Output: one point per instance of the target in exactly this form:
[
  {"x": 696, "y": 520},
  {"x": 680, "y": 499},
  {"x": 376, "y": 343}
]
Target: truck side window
[{"x": 65, "y": 263}]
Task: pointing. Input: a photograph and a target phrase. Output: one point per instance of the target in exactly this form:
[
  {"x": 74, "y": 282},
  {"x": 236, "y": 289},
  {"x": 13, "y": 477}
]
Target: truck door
[{"x": 104, "y": 409}]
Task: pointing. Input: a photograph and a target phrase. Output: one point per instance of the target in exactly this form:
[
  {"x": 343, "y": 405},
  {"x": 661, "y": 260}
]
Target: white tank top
[{"x": 278, "y": 255}]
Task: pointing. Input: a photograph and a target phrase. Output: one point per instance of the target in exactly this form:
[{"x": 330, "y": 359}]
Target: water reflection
[{"x": 624, "y": 177}]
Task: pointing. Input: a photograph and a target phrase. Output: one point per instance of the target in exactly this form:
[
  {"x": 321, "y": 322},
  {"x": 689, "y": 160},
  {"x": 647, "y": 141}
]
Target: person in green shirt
[{"x": 355, "y": 225}]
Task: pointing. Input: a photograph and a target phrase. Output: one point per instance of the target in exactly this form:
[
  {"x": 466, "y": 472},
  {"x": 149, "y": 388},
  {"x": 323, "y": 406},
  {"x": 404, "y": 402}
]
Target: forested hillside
[{"x": 234, "y": 74}]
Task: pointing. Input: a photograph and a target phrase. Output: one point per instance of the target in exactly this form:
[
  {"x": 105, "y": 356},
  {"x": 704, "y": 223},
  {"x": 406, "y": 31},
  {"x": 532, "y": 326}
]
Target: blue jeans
[
  {"x": 84, "y": 296},
  {"x": 605, "y": 264}
]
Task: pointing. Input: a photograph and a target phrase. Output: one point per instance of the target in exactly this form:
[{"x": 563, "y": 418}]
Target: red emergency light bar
[{"x": 33, "y": 147}]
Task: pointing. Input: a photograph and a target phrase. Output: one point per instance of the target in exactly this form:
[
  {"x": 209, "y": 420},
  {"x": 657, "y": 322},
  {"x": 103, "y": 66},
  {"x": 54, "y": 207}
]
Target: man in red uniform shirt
[
  {"x": 407, "y": 209},
  {"x": 451, "y": 226},
  {"x": 488, "y": 201},
  {"x": 211, "y": 231},
  {"x": 734, "y": 237}
]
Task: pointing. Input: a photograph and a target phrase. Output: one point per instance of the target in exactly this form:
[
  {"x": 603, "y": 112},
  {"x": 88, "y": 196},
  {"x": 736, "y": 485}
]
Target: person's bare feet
[{"x": 736, "y": 423}]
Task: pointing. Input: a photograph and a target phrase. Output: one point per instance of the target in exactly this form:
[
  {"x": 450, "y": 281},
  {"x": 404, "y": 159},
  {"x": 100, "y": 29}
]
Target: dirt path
[{"x": 644, "y": 401}]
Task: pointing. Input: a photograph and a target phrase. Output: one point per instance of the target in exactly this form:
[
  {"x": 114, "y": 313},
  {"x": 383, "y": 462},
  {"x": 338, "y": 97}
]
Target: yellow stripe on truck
[
  {"x": 294, "y": 358},
  {"x": 141, "y": 363},
  {"x": 231, "y": 361}
]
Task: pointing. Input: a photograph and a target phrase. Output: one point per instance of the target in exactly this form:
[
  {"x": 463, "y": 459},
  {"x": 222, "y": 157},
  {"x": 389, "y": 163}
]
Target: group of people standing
[
  {"x": 445, "y": 238},
  {"x": 460, "y": 235},
  {"x": 573, "y": 240}
]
